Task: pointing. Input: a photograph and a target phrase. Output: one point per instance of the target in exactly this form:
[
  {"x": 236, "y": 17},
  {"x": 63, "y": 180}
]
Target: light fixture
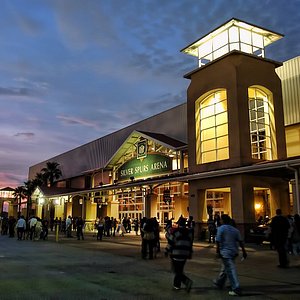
[
  {"x": 41, "y": 201},
  {"x": 257, "y": 206}
]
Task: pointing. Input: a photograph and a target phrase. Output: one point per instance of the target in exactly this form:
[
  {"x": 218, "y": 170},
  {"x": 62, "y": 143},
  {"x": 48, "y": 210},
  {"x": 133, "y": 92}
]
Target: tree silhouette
[{"x": 51, "y": 172}]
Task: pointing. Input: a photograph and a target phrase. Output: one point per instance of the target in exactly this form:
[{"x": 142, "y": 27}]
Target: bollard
[{"x": 56, "y": 233}]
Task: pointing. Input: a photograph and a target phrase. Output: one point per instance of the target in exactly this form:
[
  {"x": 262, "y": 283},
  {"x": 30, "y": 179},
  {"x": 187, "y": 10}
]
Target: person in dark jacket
[
  {"x": 79, "y": 228},
  {"x": 11, "y": 226},
  {"x": 180, "y": 247},
  {"x": 148, "y": 238},
  {"x": 279, "y": 230}
]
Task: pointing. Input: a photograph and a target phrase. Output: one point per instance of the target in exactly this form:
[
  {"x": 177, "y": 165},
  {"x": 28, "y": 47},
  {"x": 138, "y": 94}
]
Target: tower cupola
[{"x": 232, "y": 35}]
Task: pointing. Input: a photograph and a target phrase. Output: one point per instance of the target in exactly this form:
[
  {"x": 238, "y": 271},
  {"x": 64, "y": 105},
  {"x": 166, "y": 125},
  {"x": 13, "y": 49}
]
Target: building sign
[
  {"x": 141, "y": 149},
  {"x": 152, "y": 164}
]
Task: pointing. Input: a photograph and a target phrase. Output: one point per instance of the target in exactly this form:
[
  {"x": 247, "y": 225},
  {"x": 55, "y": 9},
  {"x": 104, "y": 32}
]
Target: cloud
[
  {"x": 27, "y": 135},
  {"x": 16, "y": 91},
  {"x": 77, "y": 121},
  {"x": 40, "y": 85},
  {"x": 29, "y": 22},
  {"x": 11, "y": 179},
  {"x": 81, "y": 31},
  {"x": 32, "y": 92}
]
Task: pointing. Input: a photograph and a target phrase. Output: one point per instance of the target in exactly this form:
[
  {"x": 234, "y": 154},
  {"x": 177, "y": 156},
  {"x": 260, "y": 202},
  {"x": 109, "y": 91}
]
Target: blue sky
[{"x": 72, "y": 71}]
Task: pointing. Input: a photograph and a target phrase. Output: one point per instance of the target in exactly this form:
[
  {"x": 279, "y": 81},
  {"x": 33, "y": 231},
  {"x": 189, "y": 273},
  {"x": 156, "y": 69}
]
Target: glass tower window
[
  {"x": 260, "y": 117},
  {"x": 212, "y": 127}
]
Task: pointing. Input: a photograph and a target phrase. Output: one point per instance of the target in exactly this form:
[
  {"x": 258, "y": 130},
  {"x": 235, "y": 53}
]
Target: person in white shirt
[
  {"x": 32, "y": 225},
  {"x": 21, "y": 227},
  {"x": 69, "y": 226}
]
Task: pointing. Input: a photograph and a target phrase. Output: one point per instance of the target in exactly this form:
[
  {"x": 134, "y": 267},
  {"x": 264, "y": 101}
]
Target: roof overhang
[{"x": 282, "y": 169}]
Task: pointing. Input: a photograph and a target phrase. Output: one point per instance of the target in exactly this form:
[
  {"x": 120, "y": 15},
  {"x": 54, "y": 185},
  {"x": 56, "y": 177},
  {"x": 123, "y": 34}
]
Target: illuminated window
[
  {"x": 261, "y": 124},
  {"x": 212, "y": 127},
  {"x": 232, "y": 38}
]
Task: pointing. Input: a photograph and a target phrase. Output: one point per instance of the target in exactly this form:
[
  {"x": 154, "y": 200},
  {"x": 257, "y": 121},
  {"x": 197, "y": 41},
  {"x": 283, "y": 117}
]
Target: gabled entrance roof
[
  {"x": 136, "y": 135},
  {"x": 49, "y": 192}
]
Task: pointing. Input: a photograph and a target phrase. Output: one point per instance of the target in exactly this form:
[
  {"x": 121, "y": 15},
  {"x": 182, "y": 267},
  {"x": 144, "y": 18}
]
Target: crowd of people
[
  {"x": 284, "y": 235},
  {"x": 34, "y": 228},
  {"x": 37, "y": 228}
]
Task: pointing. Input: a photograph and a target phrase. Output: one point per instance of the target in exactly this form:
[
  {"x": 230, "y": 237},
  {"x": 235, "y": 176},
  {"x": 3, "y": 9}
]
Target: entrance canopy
[{"x": 126, "y": 151}]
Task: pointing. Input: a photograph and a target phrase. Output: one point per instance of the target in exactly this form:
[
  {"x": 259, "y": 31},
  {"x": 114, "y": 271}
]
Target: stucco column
[
  {"x": 181, "y": 204},
  {"x": 197, "y": 207},
  {"x": 59, "y": 211},
  {"x": 39, "y": 210},
  {"x": 113, "y": 207},
  {"x": 91, "y": 209},
  {"x": 279, "y": 198},
  {"x": 150, "y": 205}
]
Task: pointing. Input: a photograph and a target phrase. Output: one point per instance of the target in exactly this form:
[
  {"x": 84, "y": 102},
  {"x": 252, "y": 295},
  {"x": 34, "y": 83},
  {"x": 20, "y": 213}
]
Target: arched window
[
  {"x": 212, "y": 127},
  {"x": 262, "y": 127}
]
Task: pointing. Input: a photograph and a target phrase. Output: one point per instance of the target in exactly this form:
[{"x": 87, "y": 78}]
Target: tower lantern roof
[{"x": 232, "y": 35}]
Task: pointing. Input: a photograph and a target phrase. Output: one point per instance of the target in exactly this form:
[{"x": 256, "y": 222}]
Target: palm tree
[
  {"x": 51, "y": 172},
  {"x": 40, "y": 179},
  {"x": 19, "y": 194},
  {"x": 29, "y": 187}
]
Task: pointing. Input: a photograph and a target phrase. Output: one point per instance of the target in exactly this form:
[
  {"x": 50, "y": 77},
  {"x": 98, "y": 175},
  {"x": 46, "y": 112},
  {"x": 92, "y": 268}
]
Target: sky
[{"x": 72, "y": 71}]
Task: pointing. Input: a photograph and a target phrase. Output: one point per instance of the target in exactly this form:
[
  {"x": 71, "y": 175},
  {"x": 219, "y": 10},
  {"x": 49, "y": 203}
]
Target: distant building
[
  {"x": 6, "y": 201},
  {"x": 233, "y": 147}
]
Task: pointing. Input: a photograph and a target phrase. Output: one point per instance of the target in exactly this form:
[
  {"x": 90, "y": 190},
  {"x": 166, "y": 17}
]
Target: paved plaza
[{"x": 113, "y": 269}]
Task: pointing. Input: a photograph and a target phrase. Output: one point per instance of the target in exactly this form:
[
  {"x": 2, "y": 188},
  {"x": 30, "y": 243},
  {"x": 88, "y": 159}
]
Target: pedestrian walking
[
  {"x": 212, "y": 230},
  {"x": 4, "y": 226},
  {"x": 156, "y": 236},
  {"x": 136, "y": 226},
  {"x": 296, "y": 235},
  {"x": 38, "y": 229},
  {"x": 32, "y": 225},
  {"x": 228, "y": 241},
  {"x": 180, "y": 247},
  {"x": 79, "y": 228},
  {"x": 114, "y": 224},
  {"x": 11, "y": 226},
  {"x": 148, "y": 239},
  {"x": 279, "y": 230},
  {"x": 21, "y": 227},
  {"x": 107, "y": 225},
  {"x": 100, "y": 228},
  {"x": 45, "y": 230},
  {"x": 69, "y": 226},
  {"x": 191, "y": 224}
]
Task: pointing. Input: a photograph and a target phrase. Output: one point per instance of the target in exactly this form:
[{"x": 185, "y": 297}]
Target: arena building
[{"x": 234, "y": 148}]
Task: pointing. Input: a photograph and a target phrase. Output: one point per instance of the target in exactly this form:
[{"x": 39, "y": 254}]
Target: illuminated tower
[
  {"x": 235, "y": 114},
  {"x": 235, "y": 121}
]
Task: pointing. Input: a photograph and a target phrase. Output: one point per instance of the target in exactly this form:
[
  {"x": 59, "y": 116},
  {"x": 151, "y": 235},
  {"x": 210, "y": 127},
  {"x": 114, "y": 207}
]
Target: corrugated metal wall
[
  {"x": 289, "y": 74},
  {"x": 96, "y": 154}
]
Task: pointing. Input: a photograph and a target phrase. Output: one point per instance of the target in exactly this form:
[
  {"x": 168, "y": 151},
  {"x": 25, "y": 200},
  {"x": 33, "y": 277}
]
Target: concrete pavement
[{"x": 113, "y": 269}]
